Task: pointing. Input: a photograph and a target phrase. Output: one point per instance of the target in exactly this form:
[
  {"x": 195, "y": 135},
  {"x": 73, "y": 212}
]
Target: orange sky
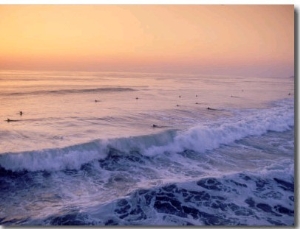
[{"x": 215, "y": 39}]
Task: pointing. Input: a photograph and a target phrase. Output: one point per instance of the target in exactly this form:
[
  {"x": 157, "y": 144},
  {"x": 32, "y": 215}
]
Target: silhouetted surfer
[
  {"x": 11, "y": 120},
  {"x": 21, "y": 113},
  {"x": 211, "y": 109},
  {"x": 156, "y": 126}
]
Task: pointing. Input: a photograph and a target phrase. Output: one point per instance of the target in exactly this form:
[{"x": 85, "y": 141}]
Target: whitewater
[{"x": 121, "y": 148}]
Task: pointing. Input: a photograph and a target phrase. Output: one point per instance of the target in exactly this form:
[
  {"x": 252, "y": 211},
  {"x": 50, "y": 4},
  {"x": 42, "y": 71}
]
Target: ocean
[{"x": 121, "y": 148}]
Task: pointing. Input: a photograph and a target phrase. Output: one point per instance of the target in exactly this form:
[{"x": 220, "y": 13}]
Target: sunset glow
[
  {"x": 149, "y": 115},
  {"x": 215, "y": 39}
]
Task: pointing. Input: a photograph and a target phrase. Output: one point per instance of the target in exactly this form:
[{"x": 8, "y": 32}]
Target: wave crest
[
  {"x": 199, "y": 138},
  {"x": 71, "y": 91}
]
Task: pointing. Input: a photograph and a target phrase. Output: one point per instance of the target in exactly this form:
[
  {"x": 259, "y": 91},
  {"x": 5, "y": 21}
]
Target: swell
[
  {"x": 70, "y": 91},
  {"x": 200, "y": 138}
]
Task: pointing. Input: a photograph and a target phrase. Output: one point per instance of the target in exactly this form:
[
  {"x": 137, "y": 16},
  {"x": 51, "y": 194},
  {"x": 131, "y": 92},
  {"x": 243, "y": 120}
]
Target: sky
[{"x": 254, "y": 40}]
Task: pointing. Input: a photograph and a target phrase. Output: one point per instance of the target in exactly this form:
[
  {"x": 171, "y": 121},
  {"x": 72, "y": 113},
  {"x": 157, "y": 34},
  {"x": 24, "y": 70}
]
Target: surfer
[
  {"x": 156, "y": 126},
  {"x": 211, "y": 109},
  {"x": 21, "y": 113},
  {"x": 11, "y": 120}
]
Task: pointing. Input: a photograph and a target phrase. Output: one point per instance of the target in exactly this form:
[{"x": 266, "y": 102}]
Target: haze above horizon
[{"x": 254, "y": 40}]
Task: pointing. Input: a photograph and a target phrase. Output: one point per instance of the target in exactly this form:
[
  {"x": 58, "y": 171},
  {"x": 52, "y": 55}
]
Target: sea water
[{"x": 84, "y": 151}]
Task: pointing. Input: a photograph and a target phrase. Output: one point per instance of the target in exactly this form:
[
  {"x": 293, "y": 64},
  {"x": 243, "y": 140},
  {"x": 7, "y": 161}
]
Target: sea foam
[{"x": 200, "y": 138}]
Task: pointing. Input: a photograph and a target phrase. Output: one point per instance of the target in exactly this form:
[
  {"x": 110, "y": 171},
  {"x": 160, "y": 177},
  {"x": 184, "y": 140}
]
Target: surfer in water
[
  {"x": 11, "y": 120},
  {"x": 211, "y": 109},
  {"x": 157, "y": 126}
]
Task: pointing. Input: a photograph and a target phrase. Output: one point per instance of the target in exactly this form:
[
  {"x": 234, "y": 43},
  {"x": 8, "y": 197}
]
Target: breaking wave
[{"x": 200, "y": 138}]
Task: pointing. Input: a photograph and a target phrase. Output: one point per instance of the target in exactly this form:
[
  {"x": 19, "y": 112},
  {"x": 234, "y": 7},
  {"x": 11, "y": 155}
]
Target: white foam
[
  {"x": 210, "y": 136},
  {"x": 200, "y": 138},
  {"x": 73, "y": 157},
  {"x": 52, "y": 159}
]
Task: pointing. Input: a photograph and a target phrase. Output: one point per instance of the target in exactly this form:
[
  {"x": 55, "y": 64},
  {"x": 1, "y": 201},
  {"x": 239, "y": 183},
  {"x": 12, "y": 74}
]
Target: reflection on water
[{"x": 59, "y": 108}]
